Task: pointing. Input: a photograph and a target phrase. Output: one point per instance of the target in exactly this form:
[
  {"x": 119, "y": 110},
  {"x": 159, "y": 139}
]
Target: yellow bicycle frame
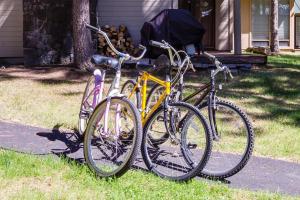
[{"x": 142, "y": 81}]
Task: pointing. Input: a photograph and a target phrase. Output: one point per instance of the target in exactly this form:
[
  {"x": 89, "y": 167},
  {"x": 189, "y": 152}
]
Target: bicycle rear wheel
[
  {"x": 166, "y": 159},
  {"x": 127, "y": 89},
  {"x": 233, "y": 146},
  {"x": 112, "y": 138}
]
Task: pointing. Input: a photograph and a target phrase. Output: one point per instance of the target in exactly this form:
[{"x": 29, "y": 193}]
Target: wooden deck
[{"x": 234, "y": 61}]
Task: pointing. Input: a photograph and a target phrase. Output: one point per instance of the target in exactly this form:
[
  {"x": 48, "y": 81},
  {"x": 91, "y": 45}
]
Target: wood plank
[
  {"x": 11, "y": 52},
  {"x": 234, "y": 59}
]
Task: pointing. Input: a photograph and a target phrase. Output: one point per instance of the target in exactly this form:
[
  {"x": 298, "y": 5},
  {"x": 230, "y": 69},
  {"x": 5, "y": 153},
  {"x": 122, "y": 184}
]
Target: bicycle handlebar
[
  {"x": 218, "y": 64},
  {"x": 158, "y": 44},
  {"x": 124, "y": 55}
]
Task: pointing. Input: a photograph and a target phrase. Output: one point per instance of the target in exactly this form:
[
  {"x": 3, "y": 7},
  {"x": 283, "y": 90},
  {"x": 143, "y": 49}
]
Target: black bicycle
[{"x": 231, "y": 128}]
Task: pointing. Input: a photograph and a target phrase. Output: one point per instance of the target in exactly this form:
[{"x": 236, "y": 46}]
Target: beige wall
[
  {"x": 222, "y": 25},
  {"x": 11, "y": 28},
  {"x": 292, "y": 25},
  {"x": 246, "y": 23},
  {"x": 132, "y": 13}
]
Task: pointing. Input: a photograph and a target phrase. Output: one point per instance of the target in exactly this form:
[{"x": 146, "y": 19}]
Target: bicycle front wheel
[
  {"x": 113, "y": 137},
  {"x": 166, "y": 159},
  {"x": 86, "y": 106},
  {"x": 234, "y": 140}
]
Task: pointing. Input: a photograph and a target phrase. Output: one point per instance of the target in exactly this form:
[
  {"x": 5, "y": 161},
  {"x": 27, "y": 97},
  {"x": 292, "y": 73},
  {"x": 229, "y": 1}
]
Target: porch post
[{"x": 237, "y": 28}]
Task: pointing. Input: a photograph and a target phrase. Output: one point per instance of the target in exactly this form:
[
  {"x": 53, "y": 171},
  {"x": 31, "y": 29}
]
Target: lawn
[
  {"x": 29, "y": 177},
  {"x": 51, "y": 97},
  {"x": 270, "y": 95}
]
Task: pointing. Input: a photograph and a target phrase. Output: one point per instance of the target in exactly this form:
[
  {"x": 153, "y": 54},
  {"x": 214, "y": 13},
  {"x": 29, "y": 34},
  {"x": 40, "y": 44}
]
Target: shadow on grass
[
  {"x": 276, "y": 91},
  {"x": 45, "y": 75}
]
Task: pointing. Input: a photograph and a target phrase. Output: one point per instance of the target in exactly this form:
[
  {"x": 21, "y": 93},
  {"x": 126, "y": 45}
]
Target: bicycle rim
[
  {"x": 167, "y": 159},
  {"x": 234, "y": 143},
  {"x": 110, "y": 148}
]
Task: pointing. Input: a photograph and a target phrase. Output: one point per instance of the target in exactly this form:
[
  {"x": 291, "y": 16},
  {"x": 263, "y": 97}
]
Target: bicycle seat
[
  {"x": 145, "y": 67},
  {"x": 104, "y": 61},
  {"x": 161, "y": 63}
]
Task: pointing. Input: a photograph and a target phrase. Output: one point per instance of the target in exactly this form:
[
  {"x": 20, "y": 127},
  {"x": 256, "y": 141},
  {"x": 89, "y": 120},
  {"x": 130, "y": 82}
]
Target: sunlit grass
[
  {"x": 285, "y": 61},
  {"x": 269, "y": 95},
  {"x": 30, "y": 177}
]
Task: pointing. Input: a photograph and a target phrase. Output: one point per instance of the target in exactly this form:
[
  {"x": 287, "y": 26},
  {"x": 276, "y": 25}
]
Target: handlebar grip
[
  {"x": 91, "y": 27},
  {"x": 142, "y": 47},
  {"x": 142, "y": 54},
  {"x": 156, "y": 44}
]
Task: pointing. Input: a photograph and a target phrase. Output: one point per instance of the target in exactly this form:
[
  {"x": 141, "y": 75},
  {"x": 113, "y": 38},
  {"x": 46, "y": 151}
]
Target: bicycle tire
[
  {"x": 248, "y": 149},
  {"x": 153, "y": 90},
  {"x": 129, "y": 85},
  {"x": 136, "y": 139},
  {"x": 83, "y": 121},
  {"x": 194, "y": 171}
]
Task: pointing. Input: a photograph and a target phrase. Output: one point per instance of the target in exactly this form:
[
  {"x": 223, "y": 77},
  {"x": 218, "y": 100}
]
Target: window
[
  {"x": 260, "y": 22},
  {"x": 261, "y": 11},
  {"x": 298, "y": 32},
  {"x": 284, "y": 22}
]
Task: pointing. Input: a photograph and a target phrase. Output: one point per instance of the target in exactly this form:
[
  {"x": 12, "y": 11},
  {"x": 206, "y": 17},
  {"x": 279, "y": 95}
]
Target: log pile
[
  {"x": 260, "y": 50},
  {"x": 120, "y": 38}
]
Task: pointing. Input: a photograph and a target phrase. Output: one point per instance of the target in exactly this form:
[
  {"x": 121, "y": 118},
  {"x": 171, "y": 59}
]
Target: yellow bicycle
[{"x": 176, "y": 139}]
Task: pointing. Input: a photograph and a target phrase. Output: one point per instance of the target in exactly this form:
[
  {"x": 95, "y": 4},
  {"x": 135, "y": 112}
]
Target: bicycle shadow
[
  {"x": 68, "y": 145},
  {"x": 71, "y": 150}
]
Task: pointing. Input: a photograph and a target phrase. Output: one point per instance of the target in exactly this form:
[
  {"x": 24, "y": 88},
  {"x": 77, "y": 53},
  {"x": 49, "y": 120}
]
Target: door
[
  {"x": 198, "y": 8},
  {"x": 11, "y": 28}
]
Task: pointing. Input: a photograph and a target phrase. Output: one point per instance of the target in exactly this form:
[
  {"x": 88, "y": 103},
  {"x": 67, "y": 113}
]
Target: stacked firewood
[{"x": 120, "y": 38}]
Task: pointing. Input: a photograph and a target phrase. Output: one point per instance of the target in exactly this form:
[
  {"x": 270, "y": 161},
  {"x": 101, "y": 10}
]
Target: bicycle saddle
[
  {"x": 105, "y": 61},
  {"x": 145, "y": 67},
  {"x": 161, "y": 63}
]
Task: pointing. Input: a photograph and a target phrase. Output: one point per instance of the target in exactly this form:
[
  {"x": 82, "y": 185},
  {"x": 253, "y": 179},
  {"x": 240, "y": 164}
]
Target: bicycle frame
[
  {"x": 142, "y": 83},
  {"x": 209, "y": 90},
  {"x": 97, "y": 93}
]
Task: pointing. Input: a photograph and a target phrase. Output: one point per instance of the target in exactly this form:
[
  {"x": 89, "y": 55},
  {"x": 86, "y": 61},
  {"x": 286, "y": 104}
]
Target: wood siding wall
[
  {"x": 11, "y": 28},
  {"x": 132, "y": 13}
]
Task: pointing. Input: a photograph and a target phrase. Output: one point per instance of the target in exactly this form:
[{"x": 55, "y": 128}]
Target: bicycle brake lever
[{"x": 230, "y": 74}]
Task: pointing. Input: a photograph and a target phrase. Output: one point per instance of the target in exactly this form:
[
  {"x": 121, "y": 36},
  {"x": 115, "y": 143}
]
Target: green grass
[
  {"x": 284, "y": 61},
  {"x": 30, "y": 177},
  {"x": 270, "y": 95}
]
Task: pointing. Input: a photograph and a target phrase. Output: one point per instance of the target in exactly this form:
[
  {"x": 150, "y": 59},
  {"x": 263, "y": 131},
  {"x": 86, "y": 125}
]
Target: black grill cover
[{"x": 176, "y": 26}]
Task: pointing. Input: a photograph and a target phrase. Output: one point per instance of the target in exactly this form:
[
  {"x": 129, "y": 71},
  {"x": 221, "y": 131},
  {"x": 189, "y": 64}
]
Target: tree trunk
[
  {"x": 274, "y": 46},
  {"x": 82, "y": 36}
]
